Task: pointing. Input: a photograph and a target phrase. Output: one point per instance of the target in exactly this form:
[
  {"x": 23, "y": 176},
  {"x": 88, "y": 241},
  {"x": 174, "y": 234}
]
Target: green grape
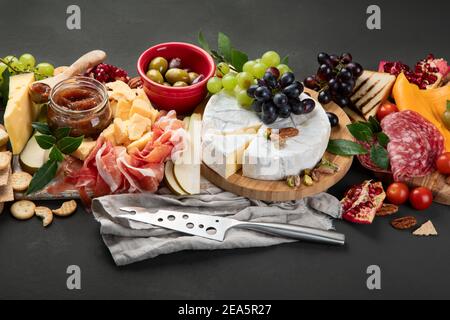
[
  {"x": 258, "y": 60},
  {"x": 244, "y": 80},
  {"x": 222, "y": 69},
  {"x": 2, "y": 69},
  {"x": 248, "y": 66},
  {"x": 45, "y": 69},
  {"x": 229, "y": 81},
  {"x": 258, "y": 70},
  {"x": 283, "y": 68},
  {"x": 27, "y": 60},
  {"x": 271, "y": 59},
  {"x": 214, "y": 85},
  {"x": 243, "y": 98},
  {"x": 11, "y": 60}
]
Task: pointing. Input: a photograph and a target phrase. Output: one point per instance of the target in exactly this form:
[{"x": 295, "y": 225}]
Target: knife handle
[{"x": 295, "y": 232}]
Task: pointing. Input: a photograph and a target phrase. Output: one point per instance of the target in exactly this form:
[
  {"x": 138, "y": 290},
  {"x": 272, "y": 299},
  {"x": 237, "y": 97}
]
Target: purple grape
[
  {"x": 346, "y": 58},
  {"x": 257, "y": 106},
  {"x": 308, "y": 105},
  {"x": 251, "y": 91},
  {"x": 325, "y": 72},
  {"x": 262, "y": 94},
  {"x": 286, "y": 79},
  {"x": 296, "y": 106},
  {"x": 324, "y": 97},
  {"x": 355, "y": 68},
  {"x": 284, "y": 111},
  {"x": 280, "y": 99},
  {"x": 292, "y": 91}
]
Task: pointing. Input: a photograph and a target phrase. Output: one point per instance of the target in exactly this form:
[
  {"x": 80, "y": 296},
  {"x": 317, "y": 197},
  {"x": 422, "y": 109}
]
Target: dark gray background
[{"x": 33, "y": 261}]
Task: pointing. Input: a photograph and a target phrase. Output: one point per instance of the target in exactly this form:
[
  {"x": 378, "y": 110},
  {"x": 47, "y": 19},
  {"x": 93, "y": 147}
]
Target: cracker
[
  {"x": 5, "y": 159},
  {"x": 6, "y": 191},
  {"x": 66, "y": 209},
  {"x": 23, "y": 209},
  {"x": 426, "y": 230},
  {"x": 45, "y": 214},
  {"x": 21, "y": 181},
  {"x": 4, "y": 176}
]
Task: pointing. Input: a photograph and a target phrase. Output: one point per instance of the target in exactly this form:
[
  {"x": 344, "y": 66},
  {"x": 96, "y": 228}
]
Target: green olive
[
  {"x": 180, "y": 84},
  {"x": 175, "y": 75},
  {"x": 192, "y": 76},
  {"x": 446, "y": 118},
  {"x": 167, "y": 84},
  {"x": 160, "y": 64},
  {"x": 155, "y": 76}
]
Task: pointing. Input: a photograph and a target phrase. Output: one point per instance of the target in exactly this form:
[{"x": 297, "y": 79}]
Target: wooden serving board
[{"x": 277, "y": 191}]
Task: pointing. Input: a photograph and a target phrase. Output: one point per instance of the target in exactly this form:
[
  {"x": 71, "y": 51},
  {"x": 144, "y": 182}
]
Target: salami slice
[{"x": 414, "y": 145}]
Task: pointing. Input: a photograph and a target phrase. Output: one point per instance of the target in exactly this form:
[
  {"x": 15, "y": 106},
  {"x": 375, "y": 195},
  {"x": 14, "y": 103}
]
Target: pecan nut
[
  {"x": 404, "y": 223},
  {"x": 387, "y": 210},
  {"x": 288, "y": 132},
  {"x": 135, "y": 83}
]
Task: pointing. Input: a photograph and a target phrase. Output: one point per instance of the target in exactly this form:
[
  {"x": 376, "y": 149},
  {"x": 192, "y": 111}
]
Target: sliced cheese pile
[
  {"x": 20, "y": 111},
  {"x": 234, "y": 137},
  {"x": 133, "y": 116}
]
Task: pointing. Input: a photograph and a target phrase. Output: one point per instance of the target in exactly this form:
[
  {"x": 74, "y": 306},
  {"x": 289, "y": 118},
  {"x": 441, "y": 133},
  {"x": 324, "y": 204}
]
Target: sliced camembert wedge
[
  {"x": 224, "y": 153},
  {"x": 229, "y": 141}
]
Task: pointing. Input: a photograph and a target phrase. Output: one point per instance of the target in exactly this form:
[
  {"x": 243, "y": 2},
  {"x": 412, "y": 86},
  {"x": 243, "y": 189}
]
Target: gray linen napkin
[{"x": 130, "y": 241}]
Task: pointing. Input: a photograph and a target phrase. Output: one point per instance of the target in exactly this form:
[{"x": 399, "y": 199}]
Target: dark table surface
[{"x": 33, "y": 261}]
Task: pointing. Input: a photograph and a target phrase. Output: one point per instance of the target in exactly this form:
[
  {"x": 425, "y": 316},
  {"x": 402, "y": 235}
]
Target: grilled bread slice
[{"x": 371, "y": 90}]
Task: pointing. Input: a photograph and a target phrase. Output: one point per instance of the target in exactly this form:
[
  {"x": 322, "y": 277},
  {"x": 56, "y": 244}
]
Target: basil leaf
[
  {"x": 361, "y": 131},
  {"x": 43, "y": 176},
  {"x": 69, "y": 145},
  {"x": 383, "y": 139},
  {"x": 62, "y": 133},
  {"x": 238, "y": 59},
  {"x": 379, "y": 157},
  {"x": 345, "y": 148},
  {"x": 375, "y": 124},
  {"x": 203, "y": 43},
  {"x": 285, "y": 60},
  {"x": 41, "y": 128},
  {"x": 56, "y": 155},
  {"x": 45, "y": 141},
  {"x": 4, "y": 88},
  {"x": 224, "y": 46}
]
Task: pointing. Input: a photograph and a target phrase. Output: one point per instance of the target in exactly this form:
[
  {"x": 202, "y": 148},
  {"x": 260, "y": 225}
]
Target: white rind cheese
[
  {"x": 262, "y": 158},
  {"x": 224, "y": 153}
]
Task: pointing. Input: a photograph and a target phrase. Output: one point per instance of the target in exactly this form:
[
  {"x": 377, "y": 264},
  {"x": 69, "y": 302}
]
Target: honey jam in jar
[{"x": 79, "y": 103}]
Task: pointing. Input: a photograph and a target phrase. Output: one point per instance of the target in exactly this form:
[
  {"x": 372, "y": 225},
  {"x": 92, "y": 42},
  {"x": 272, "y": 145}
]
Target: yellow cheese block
[
  {"x": 19, "y": 113},
  {"x": 122, "y": 109},
  {"x": 121, "y": 131},
  {"x": 140, "y": 143},
  {"x": 143, "y": 108},
  {"x": 137, "y": 126},
  {"x": 84, "y": 149},
  {"x": 108, "y": 133}
]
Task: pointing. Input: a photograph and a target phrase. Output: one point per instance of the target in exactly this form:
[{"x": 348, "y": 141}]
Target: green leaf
[
  {"x": 4, "y": 88},
  {"x": 224, "y": 46},
  {"x": 56, "y": 155},
  {"x": 45, "y": 141},
  {"x": 69, "y": 145},
  {"x": 41, "y": 128},
  {"x": 203, "y": 43},
  {"x": 43, "y": 176},
  {"x": 62, "y": 133},
  {"x": 379, "y": 156},
  {"x": 238, "y": 59},
  {"x": 375, "y": 124},
  {"x": 345, "y": 148},
  {"x": 383, "y": 139},
  {"x": 285, "y": 60},
  {"x": 361, "y": 131}
]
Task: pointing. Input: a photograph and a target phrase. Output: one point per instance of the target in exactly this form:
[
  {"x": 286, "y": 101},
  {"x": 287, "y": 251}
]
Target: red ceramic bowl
[{"x": 181, "y": 99}]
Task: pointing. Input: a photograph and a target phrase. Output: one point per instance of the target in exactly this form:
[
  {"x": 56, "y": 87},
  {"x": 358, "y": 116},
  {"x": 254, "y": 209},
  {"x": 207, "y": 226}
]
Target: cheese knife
[{"x": 215, "y": 228}]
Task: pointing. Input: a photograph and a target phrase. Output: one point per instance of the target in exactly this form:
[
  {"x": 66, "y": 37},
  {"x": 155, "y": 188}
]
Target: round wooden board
[{"x": 277, "y": 191}]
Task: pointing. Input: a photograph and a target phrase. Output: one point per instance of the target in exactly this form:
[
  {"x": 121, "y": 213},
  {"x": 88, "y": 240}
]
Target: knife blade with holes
[{"x": 215, "y": 228}]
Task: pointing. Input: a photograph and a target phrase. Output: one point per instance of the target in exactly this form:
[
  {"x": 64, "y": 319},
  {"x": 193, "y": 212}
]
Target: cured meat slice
[
  {"x": 366, "y": 161},
  {"x": 414, "y": 145}
]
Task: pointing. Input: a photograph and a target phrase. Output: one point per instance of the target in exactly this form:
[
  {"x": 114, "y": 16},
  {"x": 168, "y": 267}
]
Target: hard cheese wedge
[{"x": 19, "y": 112}]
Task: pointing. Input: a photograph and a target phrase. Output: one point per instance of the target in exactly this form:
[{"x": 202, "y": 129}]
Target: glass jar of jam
[{"x": 79, "y": 103}]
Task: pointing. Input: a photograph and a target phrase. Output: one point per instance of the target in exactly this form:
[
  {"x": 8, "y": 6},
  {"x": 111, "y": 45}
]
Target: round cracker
[
  {"x": 23, "y": 209},
  {"x": 20, "y": 181},
  {"x": 5, "y": 159},
  {"x": 45, "y": 214},
  {"x": 66, "y": 209}
]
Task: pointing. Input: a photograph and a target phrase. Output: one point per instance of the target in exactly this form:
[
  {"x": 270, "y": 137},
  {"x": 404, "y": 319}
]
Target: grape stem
[
  {"x": 219, "y": 58},
  {"x": 18, "y": 71}
]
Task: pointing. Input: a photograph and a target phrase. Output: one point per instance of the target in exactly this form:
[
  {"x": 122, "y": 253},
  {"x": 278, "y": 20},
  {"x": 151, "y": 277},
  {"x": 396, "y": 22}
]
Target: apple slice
[
  {"x": 187, "y": 168},
  {"x": 33, "y": 156},
  {"x": 170, "y": 180}
]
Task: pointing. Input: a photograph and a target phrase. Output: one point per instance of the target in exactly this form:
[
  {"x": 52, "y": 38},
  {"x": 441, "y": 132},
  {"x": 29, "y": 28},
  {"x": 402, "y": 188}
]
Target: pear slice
[
  {"x": 33, "y": 156},
  {"x": 170, "y": 180}
]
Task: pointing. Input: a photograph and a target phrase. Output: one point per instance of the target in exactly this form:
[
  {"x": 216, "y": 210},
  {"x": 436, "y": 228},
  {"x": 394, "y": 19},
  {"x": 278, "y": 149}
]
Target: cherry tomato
[
  {"x": 443, "y": 163},
  {"x": 421, "y": 198},
  {"x": 386, "y": 109},
  {"x": 397, "y": 193}
]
